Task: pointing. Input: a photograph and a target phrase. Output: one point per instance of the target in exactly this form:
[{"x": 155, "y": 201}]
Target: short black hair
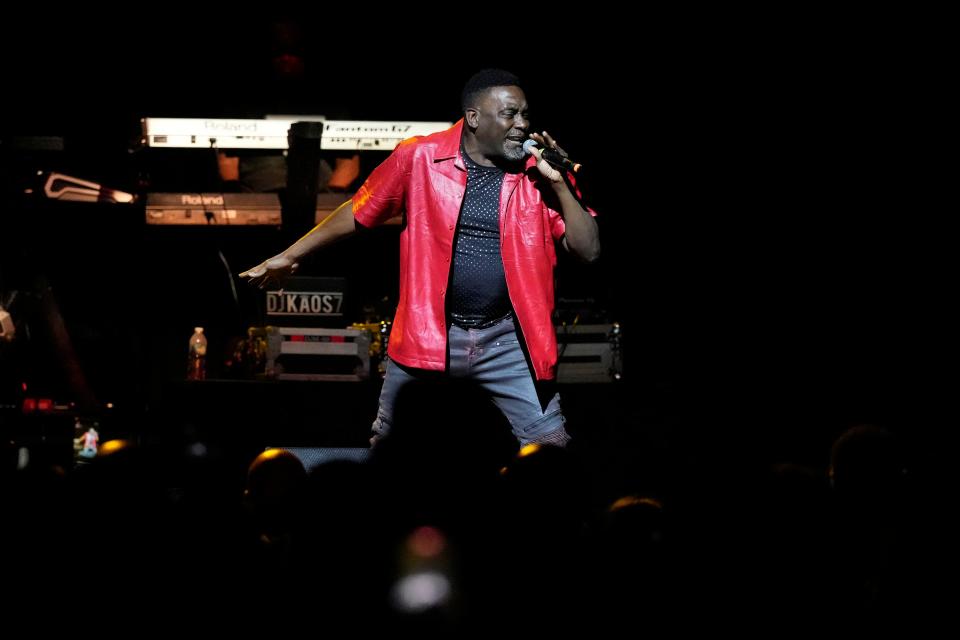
[{"x": 483, "y": 80}]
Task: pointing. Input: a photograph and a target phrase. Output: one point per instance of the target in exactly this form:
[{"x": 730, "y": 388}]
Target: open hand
[{"x": 273, "y": 270}]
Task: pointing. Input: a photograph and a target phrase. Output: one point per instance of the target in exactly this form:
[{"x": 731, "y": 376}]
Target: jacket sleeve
[
  {"x": 381, "y": 196},
  {"x": 554, "y": 219}
]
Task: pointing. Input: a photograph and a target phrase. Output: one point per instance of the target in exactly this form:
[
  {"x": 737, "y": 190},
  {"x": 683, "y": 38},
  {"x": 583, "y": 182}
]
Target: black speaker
[
  {"x": 313, "y": 457},
  {"x": 303, "y": 166}
]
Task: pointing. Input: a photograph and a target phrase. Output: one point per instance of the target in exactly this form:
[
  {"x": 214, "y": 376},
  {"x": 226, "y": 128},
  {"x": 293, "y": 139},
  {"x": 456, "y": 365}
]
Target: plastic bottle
[{"x": 197, "y": 360}]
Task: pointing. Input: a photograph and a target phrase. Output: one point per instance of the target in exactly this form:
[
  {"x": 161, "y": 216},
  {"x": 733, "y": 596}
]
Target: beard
[{"x": 513, "y": 152}]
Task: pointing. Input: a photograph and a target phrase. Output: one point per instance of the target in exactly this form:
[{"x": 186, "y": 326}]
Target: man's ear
[{"x": 472, "y": 117}]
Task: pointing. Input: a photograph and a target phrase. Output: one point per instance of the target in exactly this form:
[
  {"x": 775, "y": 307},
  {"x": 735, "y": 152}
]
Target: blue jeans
[{"x": 492, "y": 358}]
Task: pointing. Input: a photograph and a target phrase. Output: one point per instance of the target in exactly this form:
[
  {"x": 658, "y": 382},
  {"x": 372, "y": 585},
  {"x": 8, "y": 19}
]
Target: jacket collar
[{"x": 448, "y": 146}]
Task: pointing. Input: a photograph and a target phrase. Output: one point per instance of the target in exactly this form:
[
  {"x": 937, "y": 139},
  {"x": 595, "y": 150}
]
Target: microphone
[{"x": 551, "y": 156}]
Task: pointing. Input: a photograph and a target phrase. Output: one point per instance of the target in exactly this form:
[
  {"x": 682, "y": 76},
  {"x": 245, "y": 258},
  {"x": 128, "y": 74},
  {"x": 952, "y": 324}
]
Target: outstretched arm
[
  {"x": 582, "y": 238},
  {"x": 338, "y": 225}
]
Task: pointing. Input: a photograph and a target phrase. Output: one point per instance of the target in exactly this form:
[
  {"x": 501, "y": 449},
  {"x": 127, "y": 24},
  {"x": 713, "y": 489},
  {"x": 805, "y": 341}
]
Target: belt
[{"x": 486, "y": 324}]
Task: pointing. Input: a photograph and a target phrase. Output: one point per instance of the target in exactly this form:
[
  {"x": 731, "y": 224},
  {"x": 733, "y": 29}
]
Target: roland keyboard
[
  {"x": 337, "y": 135},
  {"x": 214, "y": 209},
  {"x": 231, "y": 209}
]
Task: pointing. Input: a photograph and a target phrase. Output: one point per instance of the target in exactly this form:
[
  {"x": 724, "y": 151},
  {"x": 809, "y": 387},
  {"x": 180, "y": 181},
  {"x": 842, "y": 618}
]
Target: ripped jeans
[{"x": 493, "y": 359}]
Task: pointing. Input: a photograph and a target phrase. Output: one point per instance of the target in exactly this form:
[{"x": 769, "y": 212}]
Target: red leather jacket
[{"x": 425, "y": 178}]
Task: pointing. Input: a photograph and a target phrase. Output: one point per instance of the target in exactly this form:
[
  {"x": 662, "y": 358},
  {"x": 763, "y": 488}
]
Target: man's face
[{"x": 501, "y": 122}]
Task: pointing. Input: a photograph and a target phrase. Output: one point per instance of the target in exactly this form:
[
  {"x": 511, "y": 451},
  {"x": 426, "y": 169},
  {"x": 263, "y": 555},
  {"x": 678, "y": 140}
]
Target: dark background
[{"x": 770, "y": 243}]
